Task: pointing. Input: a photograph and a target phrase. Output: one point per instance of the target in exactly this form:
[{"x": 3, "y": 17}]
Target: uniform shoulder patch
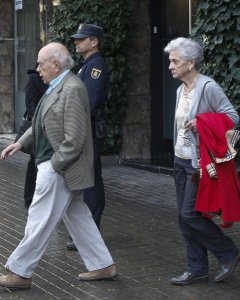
[{"x": 95, "y": 73}]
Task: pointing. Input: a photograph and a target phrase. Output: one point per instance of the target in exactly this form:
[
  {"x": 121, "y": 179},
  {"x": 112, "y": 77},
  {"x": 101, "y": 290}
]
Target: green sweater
[{"x": 43, "y": 149}]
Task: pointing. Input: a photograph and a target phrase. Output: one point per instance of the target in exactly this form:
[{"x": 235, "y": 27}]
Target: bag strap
[
  {"x": 197, "y": 135},
  {"x": 202, "y": 93}
]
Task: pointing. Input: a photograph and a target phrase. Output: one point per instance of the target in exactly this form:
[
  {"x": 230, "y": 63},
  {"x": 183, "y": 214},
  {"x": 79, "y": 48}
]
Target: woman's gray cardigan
[{"x": 208, "y": 97}]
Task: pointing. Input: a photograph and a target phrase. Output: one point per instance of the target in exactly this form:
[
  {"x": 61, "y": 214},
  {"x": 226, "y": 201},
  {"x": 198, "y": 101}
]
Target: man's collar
[
  {"x": 91, "y": 56},
  {"x": 56, "y": 81}
]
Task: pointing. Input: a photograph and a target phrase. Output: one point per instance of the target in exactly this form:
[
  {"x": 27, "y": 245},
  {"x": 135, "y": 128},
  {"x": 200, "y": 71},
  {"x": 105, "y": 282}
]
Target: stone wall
[
  {"x": 6, "y": 67},
  {"x": 137, "y": 123}
]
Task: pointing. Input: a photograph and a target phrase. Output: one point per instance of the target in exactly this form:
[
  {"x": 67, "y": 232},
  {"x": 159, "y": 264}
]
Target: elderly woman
[{"x": 198, "y": 94}]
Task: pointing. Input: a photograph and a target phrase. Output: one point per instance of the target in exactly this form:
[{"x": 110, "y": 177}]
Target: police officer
[{"x": 94, "y": 73}]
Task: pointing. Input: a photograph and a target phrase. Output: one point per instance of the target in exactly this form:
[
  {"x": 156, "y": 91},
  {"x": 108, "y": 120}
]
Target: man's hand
[{"x": 10, "y": 150}]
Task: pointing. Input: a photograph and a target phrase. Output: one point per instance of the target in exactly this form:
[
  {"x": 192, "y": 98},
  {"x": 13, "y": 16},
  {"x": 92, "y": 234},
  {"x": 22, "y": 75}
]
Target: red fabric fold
[{"x": 221, "y": 195}]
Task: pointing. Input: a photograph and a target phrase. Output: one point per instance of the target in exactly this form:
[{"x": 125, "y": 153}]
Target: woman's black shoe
[
  {"x": 187, "y": 278},
  {"x": 227, "y": 269},
  {"x": 71, "y": 246}
]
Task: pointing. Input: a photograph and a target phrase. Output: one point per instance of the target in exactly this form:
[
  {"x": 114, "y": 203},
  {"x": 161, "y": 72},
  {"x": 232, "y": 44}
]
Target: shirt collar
[{"x": 56, "y": 81}]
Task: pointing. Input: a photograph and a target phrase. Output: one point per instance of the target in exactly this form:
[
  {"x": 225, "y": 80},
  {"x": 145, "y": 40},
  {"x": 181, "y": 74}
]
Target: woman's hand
[
  {"x": 192, "y": 125},
  {"x": 10, "y": 150}
]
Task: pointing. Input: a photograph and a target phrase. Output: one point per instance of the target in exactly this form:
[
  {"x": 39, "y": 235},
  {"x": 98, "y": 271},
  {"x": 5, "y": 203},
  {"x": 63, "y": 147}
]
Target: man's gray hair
[
  {"x": 60, "y": 53},
  {"x": 189, "y": 49}
]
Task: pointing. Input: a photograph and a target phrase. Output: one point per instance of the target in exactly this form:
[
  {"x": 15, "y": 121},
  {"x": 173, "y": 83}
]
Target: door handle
[{"x": 2, "y": 39}]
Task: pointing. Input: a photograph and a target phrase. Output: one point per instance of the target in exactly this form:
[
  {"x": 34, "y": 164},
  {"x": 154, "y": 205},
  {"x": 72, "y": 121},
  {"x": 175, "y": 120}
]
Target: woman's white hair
[{"x": 189, "y": 49}]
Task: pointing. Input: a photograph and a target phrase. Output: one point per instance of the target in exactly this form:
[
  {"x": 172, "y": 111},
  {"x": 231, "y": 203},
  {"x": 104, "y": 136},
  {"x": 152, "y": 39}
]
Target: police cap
[{"x": 87, "y": 30}]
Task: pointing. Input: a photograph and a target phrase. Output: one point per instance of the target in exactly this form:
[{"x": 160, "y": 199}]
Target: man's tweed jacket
[{"x": 67, "y": 126}]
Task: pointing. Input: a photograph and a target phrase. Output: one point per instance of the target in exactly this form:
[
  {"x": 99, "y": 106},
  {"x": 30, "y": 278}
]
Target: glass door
[{"x": 27, "y": 45}]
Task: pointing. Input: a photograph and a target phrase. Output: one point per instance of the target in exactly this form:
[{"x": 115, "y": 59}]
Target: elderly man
[{"x": 60, "y": 138}]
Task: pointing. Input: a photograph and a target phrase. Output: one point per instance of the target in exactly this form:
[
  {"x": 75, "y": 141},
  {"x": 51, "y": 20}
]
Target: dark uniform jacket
[
  {"x": 94, "y": 73},
  {"x": 34, "y": 90}
]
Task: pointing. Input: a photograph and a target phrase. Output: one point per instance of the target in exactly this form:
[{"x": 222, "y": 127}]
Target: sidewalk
[{"x": 140, "y": 228}]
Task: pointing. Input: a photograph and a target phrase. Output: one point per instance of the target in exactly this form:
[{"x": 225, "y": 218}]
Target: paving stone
[{"x": 140, "y": 228}]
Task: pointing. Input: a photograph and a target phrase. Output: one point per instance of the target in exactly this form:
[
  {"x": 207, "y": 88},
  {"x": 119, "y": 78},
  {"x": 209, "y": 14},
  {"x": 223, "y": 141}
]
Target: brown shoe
[
  {"x": 12, "y": 280},
  {"x": 101, "y": 274}
]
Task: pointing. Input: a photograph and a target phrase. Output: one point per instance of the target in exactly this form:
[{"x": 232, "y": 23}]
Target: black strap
[{"x": 197, "y": 135}]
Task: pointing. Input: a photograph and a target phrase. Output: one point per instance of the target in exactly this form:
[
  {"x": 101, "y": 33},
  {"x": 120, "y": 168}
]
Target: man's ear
[
  {"x": 57, "y": 66},
  {"x": 94, "y": 42}
]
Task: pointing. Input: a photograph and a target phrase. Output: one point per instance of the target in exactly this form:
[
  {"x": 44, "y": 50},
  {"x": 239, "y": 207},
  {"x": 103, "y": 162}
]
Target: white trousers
[{"x": 52, "y": 202}]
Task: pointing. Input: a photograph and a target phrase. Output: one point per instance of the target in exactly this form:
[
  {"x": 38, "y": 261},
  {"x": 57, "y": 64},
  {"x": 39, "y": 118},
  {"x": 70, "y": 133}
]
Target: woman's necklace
[{"x": 186, "y": 92}]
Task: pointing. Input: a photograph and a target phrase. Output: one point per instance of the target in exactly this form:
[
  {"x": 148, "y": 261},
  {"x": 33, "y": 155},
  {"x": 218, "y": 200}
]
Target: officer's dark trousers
[
  {"x": 94, "y": 197},
  {"x": 30, "y": 181},
  {"x": 201, "y": 234}
]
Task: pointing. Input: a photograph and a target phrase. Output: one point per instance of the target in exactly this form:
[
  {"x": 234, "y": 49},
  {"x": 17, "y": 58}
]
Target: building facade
[
  {"x": 7, "y": 107},
  {"x": 148, "y": 126}
]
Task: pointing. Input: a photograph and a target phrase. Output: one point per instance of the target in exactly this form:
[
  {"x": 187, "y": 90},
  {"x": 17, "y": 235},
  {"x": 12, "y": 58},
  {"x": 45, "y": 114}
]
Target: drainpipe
[{"x": 190, "y": 17}]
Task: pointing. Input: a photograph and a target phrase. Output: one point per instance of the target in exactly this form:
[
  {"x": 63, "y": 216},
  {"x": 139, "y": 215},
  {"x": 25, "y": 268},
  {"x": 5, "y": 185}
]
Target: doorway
[
  {"x": 169, "y": 19},
  {"x": 27, "y": 45}
]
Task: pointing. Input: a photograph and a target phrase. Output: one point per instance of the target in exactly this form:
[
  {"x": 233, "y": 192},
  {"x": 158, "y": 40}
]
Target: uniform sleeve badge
[{"x": 95, "y": 73}]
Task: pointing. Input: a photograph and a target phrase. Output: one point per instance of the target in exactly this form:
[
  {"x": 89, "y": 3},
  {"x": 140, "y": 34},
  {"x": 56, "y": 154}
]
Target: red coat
[{"x": 221, "y": 194}]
